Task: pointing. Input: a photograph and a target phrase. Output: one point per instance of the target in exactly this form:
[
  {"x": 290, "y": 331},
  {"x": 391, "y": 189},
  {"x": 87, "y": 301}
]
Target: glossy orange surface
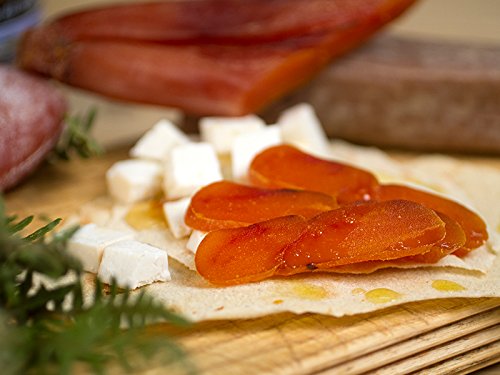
[
  {"x": 348, "y": 235},
  {"x": 452, "y": 241},
  {"x": 473, "y": 226},
  {"x": 241, "y": 255},
  {"x": 226, "y": 204},
  {"x": 287, "y": 167},
  {"x": 365, "y": 232}
]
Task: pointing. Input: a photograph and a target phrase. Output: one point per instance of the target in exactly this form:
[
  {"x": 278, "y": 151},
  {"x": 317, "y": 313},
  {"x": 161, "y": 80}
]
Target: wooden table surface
[{"x": 439, "y": 337}]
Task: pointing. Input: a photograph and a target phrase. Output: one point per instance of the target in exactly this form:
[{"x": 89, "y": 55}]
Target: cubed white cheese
[
  {"x": 247, "y": 146},
  {"x": 174, "y": 212},
  {"x": 133, "y": 264},
  {"x": 88, "y": 242},
  {"x": 134, "y": 180},
  {"x": 189, "y": 167},
  {"x": 222, "y": 131},
  {"x": 301, "y": 127},
  {"x": 195, "y": 240},
  {"x": 157, "y": 142}
]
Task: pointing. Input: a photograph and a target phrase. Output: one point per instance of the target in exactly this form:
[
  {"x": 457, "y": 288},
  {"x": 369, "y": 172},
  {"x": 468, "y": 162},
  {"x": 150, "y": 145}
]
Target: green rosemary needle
[
  {"x": 77, "y": 138},
  {"x": 50, "y": 330}
]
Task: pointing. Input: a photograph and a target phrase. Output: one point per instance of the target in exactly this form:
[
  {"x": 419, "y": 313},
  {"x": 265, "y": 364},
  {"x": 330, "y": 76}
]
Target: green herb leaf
[
  {"x": 77, "y": 138},
  {"x": 50, "y": 328}
]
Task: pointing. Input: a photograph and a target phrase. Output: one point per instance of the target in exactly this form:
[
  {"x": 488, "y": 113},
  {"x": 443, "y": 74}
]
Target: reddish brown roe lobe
[
  {"x": 287, "y": 167},
  {"x": 364, "y": 232},
  {"x": 242, "y": 255},
  {"x": 205, "y": 57},
  {"x": 226, "y": 204},
  {"x": 473, "y": 226},
  {"x": 222, "y": 21}
]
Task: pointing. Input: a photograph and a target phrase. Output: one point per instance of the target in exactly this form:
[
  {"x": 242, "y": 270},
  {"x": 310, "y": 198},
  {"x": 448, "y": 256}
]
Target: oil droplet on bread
[
  {"x": 146, "y": 215},
  {"x": 447, "y": 286},
  {"x": 382, "y": 295},
  {"x": 309, "y": 291}
]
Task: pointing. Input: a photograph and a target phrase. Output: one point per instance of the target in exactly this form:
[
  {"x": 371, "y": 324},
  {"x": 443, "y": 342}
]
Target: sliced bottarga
[
  {"x": 246, "y": 254},
  {"x": 364, "y": 232},
  {"x": 285, "y": 166},
  {"x": 226, "y": 204},
  {"x": 472, "y": 224},
  {"x": 348, "y": 235}
]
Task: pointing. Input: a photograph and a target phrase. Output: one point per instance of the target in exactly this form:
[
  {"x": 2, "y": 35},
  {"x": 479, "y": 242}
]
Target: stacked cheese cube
[
  {"x": 165, "y": 162},
  {"x": 116, "y": 255}
]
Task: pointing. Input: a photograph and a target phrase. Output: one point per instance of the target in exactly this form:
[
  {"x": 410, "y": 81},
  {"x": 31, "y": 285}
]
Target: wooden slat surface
[
  {"x": 443, "y": 353},
  {"x": 420, "y": 343},
  {"x": 409, "y": 337}
]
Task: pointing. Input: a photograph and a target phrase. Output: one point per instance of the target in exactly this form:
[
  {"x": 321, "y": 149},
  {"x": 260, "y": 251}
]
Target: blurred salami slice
[
  {"x": 414, "y": 94},
  {"x": 31, "y": 114}
]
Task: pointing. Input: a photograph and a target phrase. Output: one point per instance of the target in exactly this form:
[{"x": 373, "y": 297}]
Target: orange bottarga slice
[
  {"x": 453, "y": 240},
  {"x": 364, "y": 232},
  {"x": 287, "y": 167},
  {"x": 226, "y": 204},
  {"x": 242, "y": 255},
  {"x": 473, "y": 226}
]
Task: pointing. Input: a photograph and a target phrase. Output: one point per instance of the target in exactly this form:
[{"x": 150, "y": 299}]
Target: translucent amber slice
[
  {"x": 242, "y": 255},
  {"x": 226, "y": 204},
  {"x": 473, "y": 226},
  {"x": 287, "y": 245},
  {"x": 287, "y": 167},
  {"x": 452, "y": 241},
  {"x": 364, "y": 232}
]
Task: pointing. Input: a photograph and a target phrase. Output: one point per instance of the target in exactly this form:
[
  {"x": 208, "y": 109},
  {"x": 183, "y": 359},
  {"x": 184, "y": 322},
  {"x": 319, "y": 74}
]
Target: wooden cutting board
[{"x": 439, "y": 337}]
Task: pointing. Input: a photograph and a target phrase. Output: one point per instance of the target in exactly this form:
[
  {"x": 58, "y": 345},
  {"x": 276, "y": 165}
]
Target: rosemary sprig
[
  {"x": 51, "y": 329},
  {"x": 76, "y": 137}
]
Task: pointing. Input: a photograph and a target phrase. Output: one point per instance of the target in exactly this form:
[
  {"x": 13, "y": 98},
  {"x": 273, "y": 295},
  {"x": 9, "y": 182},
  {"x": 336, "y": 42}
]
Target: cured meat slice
[{"x": 31, "y": 120}]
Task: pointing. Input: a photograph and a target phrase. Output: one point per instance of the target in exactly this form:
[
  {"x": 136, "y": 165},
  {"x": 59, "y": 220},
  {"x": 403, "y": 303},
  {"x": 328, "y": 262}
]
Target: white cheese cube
[
  {"x": 195, "y": 240},
  {"x": 247, "y": 146},
  {"x": 88, "y": 242},
  {"x": 189, "y": 167},
  {"x": 133, "y": 264},
  {"x": 301, "y": 127},
  {"x": 157, "y": 142},
  {"x": 175, "y": 211},
  {"x": 222, "y": 131},
  {"x": 134, "y": 180}
]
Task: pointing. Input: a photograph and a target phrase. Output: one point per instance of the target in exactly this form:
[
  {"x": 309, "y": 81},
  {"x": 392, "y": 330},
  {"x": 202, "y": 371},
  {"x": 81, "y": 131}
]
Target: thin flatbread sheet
[{"x": 476, "y": 275}]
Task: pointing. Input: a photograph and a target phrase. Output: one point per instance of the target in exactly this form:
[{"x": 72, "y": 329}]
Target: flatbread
[{"x": 476, "y": 275}]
